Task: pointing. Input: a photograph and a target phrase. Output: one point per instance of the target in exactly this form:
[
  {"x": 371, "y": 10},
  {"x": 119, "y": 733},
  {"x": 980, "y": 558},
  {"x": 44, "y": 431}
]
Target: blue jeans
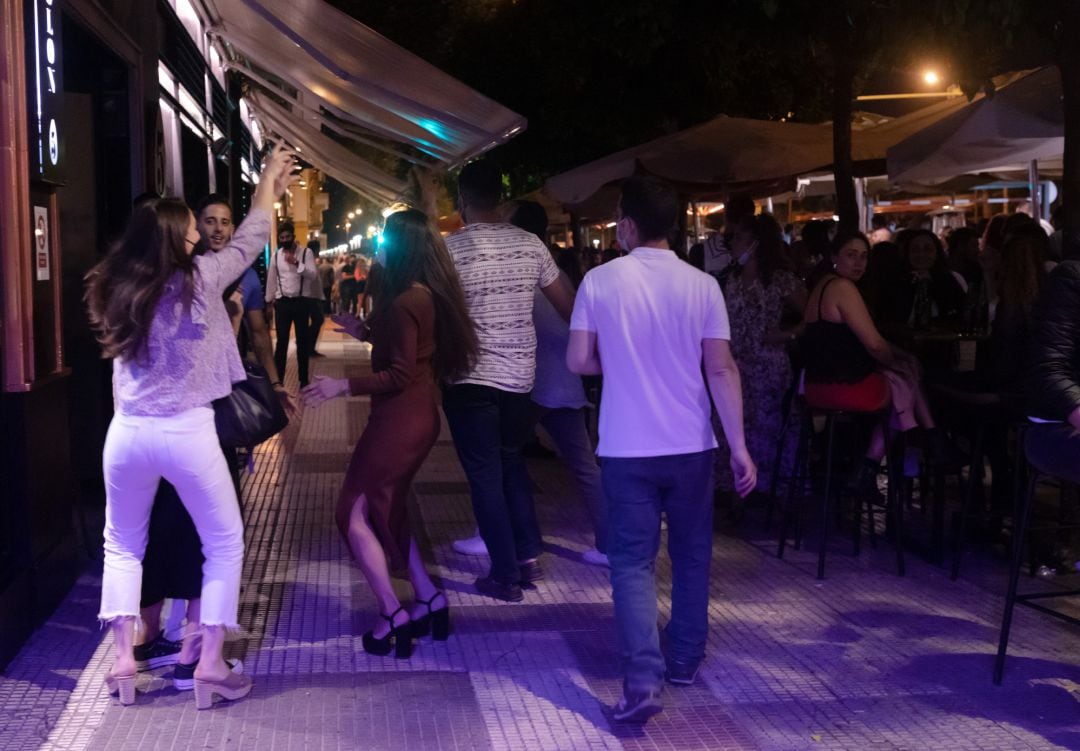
[
  {"x": 489, "y": 427},
  {"x": 637, "y": 491},
  {"x": 567, "y": 428}
]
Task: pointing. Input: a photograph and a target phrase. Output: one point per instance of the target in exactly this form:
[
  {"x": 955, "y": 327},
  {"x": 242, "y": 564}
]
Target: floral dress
[{"x": 754, "y": 311}]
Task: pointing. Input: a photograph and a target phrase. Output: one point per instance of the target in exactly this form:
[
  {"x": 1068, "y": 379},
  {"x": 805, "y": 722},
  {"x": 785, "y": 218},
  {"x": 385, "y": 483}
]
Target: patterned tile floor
[{"x": 863, "y": 660}]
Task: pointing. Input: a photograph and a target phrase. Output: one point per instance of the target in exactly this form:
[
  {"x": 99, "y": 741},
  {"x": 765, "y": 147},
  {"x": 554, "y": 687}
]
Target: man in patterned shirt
[{"x": 488, "y": 411}]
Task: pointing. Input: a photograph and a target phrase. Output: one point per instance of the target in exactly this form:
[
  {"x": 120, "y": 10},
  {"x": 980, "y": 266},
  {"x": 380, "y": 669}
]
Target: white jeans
[{"x": 183, "y": 449}]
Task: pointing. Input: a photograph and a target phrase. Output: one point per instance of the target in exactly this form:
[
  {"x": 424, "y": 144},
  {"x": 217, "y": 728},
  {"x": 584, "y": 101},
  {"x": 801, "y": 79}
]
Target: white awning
[
  {"x": 326, "y": 154},
  {"x": 331, "y": 70},
  {"x": 1023, "y": 121},
  {"x": 335, "y": 62}
]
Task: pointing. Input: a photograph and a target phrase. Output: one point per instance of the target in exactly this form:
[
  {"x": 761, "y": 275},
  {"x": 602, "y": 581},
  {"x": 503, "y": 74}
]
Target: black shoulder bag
[{"x": 252, "y": 413}]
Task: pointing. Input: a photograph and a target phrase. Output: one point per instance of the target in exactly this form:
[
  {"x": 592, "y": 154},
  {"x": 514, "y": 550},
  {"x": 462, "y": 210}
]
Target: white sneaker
[
  {"x": 594, "y": 557},
  {"x": 470, "y": 546}
]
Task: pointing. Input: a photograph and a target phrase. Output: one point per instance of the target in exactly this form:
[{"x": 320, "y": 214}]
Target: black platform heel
[
  {"x": 399, "y": 640},
  {"x": 434, "y": 622}
]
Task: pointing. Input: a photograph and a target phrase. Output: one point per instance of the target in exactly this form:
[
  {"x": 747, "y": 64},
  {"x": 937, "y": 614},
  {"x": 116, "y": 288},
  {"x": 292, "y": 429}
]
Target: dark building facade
[{"x": 100, "y": 101}]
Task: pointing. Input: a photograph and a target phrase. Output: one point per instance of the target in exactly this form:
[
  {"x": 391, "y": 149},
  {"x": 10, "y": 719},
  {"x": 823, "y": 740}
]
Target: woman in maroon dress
[{"x": 420, "y": 332}]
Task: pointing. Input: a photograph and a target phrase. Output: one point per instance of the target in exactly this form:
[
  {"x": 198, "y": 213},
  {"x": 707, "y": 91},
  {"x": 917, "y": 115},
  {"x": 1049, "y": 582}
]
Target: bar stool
[
  {"x": 990, "y": 411},
  {"x": 802, "y": 473},
  {"x": 1021, "y": 527},
  {"x": 789, "y": 419}
]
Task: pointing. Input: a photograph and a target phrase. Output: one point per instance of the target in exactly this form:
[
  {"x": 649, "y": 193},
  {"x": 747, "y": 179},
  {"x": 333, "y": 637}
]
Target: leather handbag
[{"x": 252, "y": 413}]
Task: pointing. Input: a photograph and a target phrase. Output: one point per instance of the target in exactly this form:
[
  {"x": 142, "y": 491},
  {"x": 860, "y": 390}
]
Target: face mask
[{"x": 745, "y": 257}]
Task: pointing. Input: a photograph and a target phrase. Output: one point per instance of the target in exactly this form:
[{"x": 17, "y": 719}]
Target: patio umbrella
[{"x": 1022, "y": 122}]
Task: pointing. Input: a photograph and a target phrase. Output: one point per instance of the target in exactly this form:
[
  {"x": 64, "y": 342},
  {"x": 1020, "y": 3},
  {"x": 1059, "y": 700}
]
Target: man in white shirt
[
  {"x": 292, "y": 279},
  {"x": 647, "y": 322},
  {"x": 488, "y": 411}
]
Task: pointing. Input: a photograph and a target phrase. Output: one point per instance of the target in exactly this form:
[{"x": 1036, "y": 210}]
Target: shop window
[{"x": 195, "y": 166}]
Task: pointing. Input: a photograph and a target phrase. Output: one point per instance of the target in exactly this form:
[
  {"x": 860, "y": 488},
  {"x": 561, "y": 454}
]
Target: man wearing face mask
[
  {"x": 647, "y": 322},
  {"x": 291, "y": 279}
]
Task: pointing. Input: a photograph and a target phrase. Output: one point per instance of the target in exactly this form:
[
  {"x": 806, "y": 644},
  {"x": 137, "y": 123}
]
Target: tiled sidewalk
[{"x": 864, "y": 660}]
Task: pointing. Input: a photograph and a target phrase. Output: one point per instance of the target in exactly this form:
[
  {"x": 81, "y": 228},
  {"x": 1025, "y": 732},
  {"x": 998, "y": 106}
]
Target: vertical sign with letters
[{"x": 44, "y": 74}]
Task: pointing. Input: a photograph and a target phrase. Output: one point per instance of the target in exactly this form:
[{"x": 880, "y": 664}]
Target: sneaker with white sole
[
  {"x": 183, "y": 678},
  {"x": 594, "y": 557},
  {"x": 157, "y": 653},
  {"x": 470, "y": 546}
]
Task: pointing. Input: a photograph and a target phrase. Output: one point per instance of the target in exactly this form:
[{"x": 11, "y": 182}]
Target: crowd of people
[{"x": 499, "y": 329}]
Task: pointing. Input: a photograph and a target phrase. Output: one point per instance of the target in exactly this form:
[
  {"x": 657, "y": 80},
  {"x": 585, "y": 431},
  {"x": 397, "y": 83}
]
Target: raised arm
[{"x": 219, "y": 270}]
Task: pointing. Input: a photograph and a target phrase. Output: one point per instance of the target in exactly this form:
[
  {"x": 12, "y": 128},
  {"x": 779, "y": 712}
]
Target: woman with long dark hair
[
  {"x": 157, "y": 310},
  {"x": 421, "y": 333},
  {"x": 1022, "y": 274},
  {"x": 925, "y": 289}
]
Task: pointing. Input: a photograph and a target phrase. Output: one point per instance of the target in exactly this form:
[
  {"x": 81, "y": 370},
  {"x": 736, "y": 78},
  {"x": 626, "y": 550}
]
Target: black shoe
[
  {"x": 637, "y": 707},
  {"x": 183, "y": 677},
  {"x": 530, "y": 572},
  {"x": 506, "y": 591},
  {"x": 682, "y": 673},
  {"x": 157, "y": 653},
  {"x": 398, "y": 639},
  {"x": 434, "y": 622}
]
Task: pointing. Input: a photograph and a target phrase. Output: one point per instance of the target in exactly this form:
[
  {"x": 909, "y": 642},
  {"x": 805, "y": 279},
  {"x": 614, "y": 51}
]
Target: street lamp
[{"x": 930, "y": 77}]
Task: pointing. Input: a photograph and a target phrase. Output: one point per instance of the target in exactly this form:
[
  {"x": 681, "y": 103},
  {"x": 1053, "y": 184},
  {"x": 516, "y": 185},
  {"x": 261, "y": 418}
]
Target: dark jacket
[
  {"x": 1054, "y": 383},
  {"x": 892, "y": 305}
]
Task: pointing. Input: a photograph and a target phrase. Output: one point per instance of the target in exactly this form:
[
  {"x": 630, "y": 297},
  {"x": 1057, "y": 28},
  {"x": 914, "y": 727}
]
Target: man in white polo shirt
[
  {"x": 647, "y": 322},
  {"x": 489, "y": 411}
]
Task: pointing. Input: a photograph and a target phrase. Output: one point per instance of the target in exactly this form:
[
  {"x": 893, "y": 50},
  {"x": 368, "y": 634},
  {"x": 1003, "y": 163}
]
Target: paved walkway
[{"x": 864, "y": 660}]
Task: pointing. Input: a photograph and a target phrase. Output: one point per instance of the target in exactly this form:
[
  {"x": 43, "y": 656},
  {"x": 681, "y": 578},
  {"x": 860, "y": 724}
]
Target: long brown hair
[
  {"x": 414, "y": 252},
  {"x": 123, "y": 290},
  {"x": 1022, "y": 270}
]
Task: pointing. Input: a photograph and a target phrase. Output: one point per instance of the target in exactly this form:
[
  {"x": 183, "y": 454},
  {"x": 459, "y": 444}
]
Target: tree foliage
[{"x": 596, "y": 76}]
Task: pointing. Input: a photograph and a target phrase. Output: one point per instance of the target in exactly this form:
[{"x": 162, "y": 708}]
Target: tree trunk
[
  {"x": 575, "y": 231},
  {"x": 843, "y": 171},
  {"x": 1069, "y": 65},
  {"x": 679, "y": 245}
]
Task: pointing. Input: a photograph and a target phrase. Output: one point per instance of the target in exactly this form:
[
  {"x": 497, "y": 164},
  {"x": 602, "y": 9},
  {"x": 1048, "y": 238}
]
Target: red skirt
[{"x": 871, "y": 394}]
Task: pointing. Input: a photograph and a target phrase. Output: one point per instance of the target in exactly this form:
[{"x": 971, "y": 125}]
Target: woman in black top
[{"x": 849, "y": 365}]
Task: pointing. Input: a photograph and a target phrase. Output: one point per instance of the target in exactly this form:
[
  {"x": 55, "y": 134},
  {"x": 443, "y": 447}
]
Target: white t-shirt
[
  {"x": 650, "y": 312},
  {"x": 500, "y": 266}
]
